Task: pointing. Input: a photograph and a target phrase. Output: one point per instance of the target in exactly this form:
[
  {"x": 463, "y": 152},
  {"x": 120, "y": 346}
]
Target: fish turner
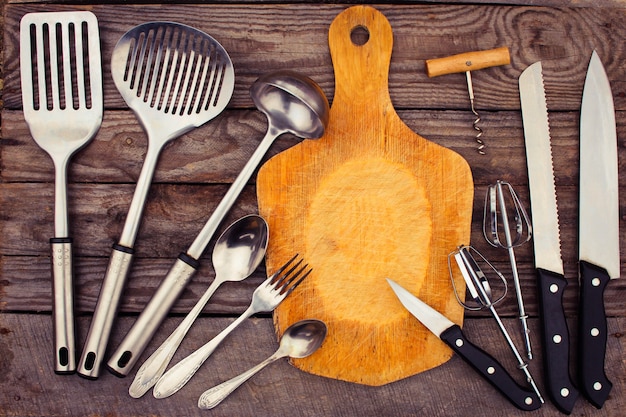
[
  {"x": 61, "y": 76},
  {"x": 174, "y": 78}
]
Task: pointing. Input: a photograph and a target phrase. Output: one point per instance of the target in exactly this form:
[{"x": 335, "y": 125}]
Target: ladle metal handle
[
  {"x": 136, "y": 340},
  {"x": 202, "y": 240}
]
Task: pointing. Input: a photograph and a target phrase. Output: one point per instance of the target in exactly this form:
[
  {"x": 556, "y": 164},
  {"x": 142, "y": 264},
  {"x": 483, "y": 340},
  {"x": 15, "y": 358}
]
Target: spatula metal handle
[
  {"x": 106, "y": 308},
  {"x": 63, "y": 306}
]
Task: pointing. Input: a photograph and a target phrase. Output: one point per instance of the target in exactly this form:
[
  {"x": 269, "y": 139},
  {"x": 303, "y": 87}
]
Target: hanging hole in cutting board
[{"x": 359, "y": 35}]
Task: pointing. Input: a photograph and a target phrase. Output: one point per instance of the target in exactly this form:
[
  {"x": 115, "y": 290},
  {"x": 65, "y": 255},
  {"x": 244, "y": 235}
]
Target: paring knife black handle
[
  {"x": 592, "y": 334},
  {"x": 555, "y": 340},
  {"x": 490, "y": 369}
]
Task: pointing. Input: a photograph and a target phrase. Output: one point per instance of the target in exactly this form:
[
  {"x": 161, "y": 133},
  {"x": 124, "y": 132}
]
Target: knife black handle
[
  {"x": 592, "y": 334},
  {"x": 555, "y": 340},
  {"x": 490, "y": 369}
]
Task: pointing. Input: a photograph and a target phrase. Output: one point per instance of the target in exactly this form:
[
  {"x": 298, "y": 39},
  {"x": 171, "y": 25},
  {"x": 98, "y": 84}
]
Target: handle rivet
[
  {"x": 458, "y": 342},
  {"x": 595, "y": 282},
  {"x": 557, "y": 338},
  {"x": 594, "y": 332},
  {"x": 597, "y": 386},
  {"x": 564, "y": 392},
  {"x": 491, "y": 370},
  {"x": 554, "y": 288},
  {"x": 528, "y": 400}
]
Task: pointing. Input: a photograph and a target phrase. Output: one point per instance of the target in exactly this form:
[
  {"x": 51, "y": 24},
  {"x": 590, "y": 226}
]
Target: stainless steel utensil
[
  {"x": 474, "y": 278},
  {"x": 265, "y": 299},
  {"x": 237, "y": 254},
  {"x": 499, "y": 200},
  {"x": 174, "y": 78},
  {"x": 292, "y": 103},
  {"x": 61, "y": 76},
  {"x": 300, "y": 340}
]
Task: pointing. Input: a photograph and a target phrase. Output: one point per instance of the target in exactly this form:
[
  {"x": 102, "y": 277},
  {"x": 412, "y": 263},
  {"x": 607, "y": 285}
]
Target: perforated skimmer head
[{"x": 173, "y": 76}]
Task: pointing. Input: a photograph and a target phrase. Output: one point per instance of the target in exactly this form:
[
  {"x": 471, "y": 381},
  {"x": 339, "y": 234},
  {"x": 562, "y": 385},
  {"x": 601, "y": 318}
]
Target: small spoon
[
  {"x": 237, "y": 254},
  {"x": 299, "y": 341}
]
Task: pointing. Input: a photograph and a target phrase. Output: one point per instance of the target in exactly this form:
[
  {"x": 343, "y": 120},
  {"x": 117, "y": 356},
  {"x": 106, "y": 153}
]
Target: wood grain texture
[
  {"x": 29, "y": 387},
  {"x": 332, "y": 201},
  {"x": 195, "y": 171},
  {"x": 562, "y": 38}
]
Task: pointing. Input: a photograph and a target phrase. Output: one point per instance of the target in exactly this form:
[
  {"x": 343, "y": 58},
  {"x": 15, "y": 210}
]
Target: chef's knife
[
  {"x": 598, "y": 249},
  {"x": 480, "y": 360},
  {"x": 551, "y": 281}
]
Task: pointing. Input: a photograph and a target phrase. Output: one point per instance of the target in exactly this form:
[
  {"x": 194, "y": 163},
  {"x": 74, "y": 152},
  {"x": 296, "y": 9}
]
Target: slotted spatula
[
  {"x": 61, "y": 77},
  {"x": 175, "y": 78}
]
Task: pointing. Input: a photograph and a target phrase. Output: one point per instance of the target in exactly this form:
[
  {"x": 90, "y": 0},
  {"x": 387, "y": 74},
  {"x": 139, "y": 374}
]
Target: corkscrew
[{"x": 468, "y": 62}]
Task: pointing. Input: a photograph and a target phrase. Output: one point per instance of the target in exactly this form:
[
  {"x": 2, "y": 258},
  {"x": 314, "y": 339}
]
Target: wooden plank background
[{"x": 195, "y": 171}]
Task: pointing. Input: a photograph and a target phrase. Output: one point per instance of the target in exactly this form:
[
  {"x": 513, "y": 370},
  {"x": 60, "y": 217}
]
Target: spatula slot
[
  {"x": 60, "y": 66},
  {"x": 175, "y": 70}
]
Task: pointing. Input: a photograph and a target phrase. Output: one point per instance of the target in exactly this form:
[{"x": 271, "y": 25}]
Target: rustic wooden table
[{"x": 195, "y": 171}]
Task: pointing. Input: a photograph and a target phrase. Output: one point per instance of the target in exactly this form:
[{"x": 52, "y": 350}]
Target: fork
[{"x": 265, "y": 298}]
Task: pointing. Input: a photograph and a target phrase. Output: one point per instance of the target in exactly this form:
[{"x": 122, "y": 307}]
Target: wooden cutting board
[{"x": 369, "y": 200}]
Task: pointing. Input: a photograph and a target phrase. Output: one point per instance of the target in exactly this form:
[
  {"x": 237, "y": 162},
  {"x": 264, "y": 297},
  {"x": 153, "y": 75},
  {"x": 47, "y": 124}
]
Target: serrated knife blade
[
  {"x": 546, "y": 242},
  {"x": 598, "y": 227}
]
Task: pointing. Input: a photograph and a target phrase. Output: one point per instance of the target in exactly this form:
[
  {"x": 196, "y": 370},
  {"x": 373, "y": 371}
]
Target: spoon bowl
[
  {"x": 237, "y": 254},
  {"x": 300, "y": 340}
]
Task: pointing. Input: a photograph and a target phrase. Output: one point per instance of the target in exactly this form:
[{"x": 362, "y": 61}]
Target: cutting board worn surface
[{"x": 369, "y": 200}]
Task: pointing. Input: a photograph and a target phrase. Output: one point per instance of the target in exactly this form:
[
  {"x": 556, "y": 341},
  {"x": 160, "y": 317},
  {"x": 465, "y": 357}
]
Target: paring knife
[
  {"x": 547, "y": 248},
  {"x": 480, "y": 360},
  {"x": 598, "y": 249}
]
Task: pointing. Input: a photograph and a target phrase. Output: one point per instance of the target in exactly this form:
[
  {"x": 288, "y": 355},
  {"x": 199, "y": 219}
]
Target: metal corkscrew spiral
[{"x": 467, "y": 62}]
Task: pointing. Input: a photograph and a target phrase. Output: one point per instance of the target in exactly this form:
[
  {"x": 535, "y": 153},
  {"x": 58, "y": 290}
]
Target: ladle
[
  {"x": 293, "y": 103},
  {"x": 299, "y": 341},
  {"x": 236, "y": 255}
]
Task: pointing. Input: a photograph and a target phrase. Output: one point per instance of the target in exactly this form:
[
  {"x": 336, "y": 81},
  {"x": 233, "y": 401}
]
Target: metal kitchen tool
[
  {"x": 61, "y": 79},
  {"x": 300, "y": 340},
  {"x": 475, "y": 279},
  {"x": 237, "y": 254},
  {"x": 598, "y": 242},
  {"x": 451, "y": 334},
  {"x": 497, "y": 220},
  {"x": 264, "y": 299},
  {"x": 468, "y": 62},
  {"x": 174, "y": 78},
  {"x": 551, "y": 282}
]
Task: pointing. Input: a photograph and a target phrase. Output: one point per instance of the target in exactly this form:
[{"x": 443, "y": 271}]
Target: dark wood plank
[
  {"x": 216, "y": 152},
  {"x": 562, "y": 37},
  {"x": 30, "y": 388}
]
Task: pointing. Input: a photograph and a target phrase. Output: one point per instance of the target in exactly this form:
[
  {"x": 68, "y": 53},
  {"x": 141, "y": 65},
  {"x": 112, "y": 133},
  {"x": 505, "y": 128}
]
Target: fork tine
[
  {"x": 287, "y": 291},
  {"x": 283, "y": 282}
]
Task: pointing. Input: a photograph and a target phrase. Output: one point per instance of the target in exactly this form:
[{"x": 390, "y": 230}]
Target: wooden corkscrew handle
[{"x": 468, "y": 61}]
